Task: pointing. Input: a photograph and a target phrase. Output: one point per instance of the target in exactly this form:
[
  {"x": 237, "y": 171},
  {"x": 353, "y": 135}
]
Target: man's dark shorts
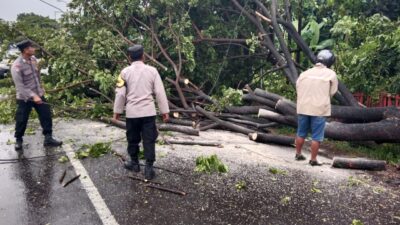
[{"x": 314, "y": 123}]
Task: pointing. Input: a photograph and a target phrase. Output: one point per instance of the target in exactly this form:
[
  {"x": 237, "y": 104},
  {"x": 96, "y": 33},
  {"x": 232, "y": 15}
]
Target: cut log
[
  {"x": 258, "y": 99},
  {"x": 267, "y": 95},
  {"x": 272, "y": 139},
  {"x": 358, "y": 163},
  {"x": 225, "y": 124},
  {"x": 201, "y": 143},
  {"x": 344, "y": 113},
  {"x": 181, "y": 129},
  {"x": 181, "y": 122},
  {"x": 286, "y": 107},
  {"x": 161, "y": 127},
  {"x": 242, "y": 117},
  {"x": 209, "y": 126},
  {"x": 250, "y": 123},
  {"x": 273, "y": 116},
  {"x": 384, "y": 131},
  {"x": 358, "y": 114},
  {"x": 246, "y": 109}
]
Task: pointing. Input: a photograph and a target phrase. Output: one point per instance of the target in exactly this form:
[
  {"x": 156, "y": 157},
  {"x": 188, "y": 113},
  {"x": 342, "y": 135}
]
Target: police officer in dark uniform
[{"x": 30, "y": 94}]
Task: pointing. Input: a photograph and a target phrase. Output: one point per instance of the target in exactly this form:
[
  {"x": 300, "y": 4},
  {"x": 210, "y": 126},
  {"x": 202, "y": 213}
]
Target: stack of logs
[{"x": 265, "y": 109}]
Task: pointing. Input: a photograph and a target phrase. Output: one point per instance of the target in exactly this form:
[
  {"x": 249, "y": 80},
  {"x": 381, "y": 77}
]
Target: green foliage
[
  {"x": 7, "y": 105},
  {"x": 369, "y": 52},
  {"x": 285, "y": 200},
  {"x": 285, "y": 130},
  {"x": 210, "y": 164},
  {"x": 63, "y": 159},
  {"x": 96, "y": 150},
  {"x": 352, "y": 181},
  {"x": 228, "y": 97},
  {"x": 275, "y": 170},
  {"x": 277, "y": 83},
  {"x": 7, "y": 111},
  {"x": 356, "y": 222},
  {"x": 100, "y": 110},
  {"x": 314, "y": 188},
  {"x": 241, "y": 185},
  {"x": 253, "y": 42}
]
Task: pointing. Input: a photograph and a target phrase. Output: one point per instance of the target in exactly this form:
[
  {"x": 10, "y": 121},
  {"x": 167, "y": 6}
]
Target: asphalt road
[{"x": 30, "y": 191}]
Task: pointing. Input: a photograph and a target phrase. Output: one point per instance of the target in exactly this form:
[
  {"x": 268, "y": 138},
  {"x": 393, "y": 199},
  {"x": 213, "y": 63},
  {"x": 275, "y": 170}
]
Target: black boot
[
  {"x": 49, "y": 141},
  {"x": 132, "y": 165},
  {"x": 18, "y": 145},
  {"x": 149, "y": 172}
]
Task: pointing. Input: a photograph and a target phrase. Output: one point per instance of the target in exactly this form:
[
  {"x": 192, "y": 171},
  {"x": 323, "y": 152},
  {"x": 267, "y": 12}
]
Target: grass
[
  {"x": 285, "y": 130},
  {"x": 388, "y": 152}
]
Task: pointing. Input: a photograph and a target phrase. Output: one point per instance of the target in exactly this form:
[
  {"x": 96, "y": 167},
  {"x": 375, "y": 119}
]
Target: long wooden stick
[
  {"x": 72, "y": 180},
  {"x": 62, "y": 176},
  {"x": 143, "y": 180},
  {"x": 167, "y": 190},
  {"x": 202, "y": 143}
]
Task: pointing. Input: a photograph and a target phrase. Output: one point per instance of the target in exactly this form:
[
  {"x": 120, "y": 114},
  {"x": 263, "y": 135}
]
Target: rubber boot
[
  {"x": 132, "y": 165},
  {"x": 149, "y": 172},
  {"x": 18, "y": 145},
  {"x": 49, "y": 141}
]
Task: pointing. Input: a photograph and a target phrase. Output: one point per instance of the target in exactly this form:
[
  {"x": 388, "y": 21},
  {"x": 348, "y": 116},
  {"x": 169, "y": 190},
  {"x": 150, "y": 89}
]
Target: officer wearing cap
[
  {"x": 136, "y": 86},
  {"x": 314, "y": 88},
  {"x": 30, "y": 94}
]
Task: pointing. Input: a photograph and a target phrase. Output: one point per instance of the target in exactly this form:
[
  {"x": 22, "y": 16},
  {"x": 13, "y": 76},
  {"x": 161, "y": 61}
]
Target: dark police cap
[
  {"x": 135, "y": 51},
  {"x": 23, "y": 44}
]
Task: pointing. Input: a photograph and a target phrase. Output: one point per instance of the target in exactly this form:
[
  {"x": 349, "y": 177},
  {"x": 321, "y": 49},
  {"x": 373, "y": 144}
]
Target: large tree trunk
[{"x": 384, "y": 131}]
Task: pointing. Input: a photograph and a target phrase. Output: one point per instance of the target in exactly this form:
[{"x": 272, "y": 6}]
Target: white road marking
[{"x": 101, "y": 208}]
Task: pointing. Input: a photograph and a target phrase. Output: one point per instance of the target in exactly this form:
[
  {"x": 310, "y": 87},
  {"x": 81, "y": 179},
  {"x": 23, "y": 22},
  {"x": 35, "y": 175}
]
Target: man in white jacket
[
  {"x": 136, "y": 86},
  {"x": 315, "y": 87}
]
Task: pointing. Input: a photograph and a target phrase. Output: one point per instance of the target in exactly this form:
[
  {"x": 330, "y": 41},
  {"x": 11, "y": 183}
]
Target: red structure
[{"x": 385, "y": 99}]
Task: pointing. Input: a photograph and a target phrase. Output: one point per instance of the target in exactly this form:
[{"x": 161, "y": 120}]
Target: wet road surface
[{"x": 30, "y": 192}]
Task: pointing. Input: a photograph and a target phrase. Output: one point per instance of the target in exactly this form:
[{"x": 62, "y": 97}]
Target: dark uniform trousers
[
  {"x": 24, "y": 108},
  {"x": 142, "y": 128}
]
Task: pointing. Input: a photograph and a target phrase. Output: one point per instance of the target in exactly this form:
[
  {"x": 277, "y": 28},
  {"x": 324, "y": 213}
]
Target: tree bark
[
  {"x": 246, "y": 109},
  {"x": 271, "y": 138},
  {"x": 222, "y": 123},
  {"x": 273, "y": 116},
  {"x": 181, "y": 122},
  {"x": 358, "y": 163},
  {"x": 161, "y": 127},
  {"x": 201, "y": 143},
  {"x": 261, "y": 100},
  {"x": 383, "y": 131}
]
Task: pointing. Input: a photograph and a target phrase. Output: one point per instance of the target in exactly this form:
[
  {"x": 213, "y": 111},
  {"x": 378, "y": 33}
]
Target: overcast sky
[{"x": 9, "y": 9}]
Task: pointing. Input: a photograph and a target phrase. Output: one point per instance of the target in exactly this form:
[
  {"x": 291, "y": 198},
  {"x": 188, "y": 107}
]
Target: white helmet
[{"x": 326, "y": 57}]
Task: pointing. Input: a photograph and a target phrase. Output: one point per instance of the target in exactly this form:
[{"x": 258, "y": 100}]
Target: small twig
[
  {"x": 167, "y": 190},
  {"x": 167, "y": 170},
  {"x": 72, "y": 180},
  {"x": 143, "y": 180},
  {"x": 105, "y": 96},
  {"x": 62, "y": 176}
]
